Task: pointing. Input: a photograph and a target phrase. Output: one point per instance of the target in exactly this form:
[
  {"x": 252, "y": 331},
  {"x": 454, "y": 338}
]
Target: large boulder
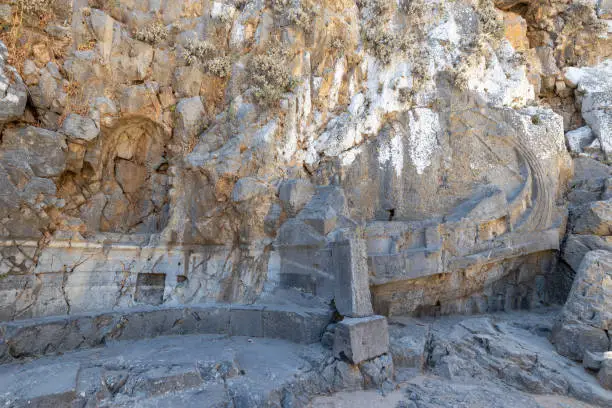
[{"x": 587, "y": 314}]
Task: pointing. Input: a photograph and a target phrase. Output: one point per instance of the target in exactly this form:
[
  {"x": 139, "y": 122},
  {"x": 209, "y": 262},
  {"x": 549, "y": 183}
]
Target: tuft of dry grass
[
  {"x": 17, "y": 51},
  {"x": 75, "y": 101},
  {"x": 89, "y": 45}
]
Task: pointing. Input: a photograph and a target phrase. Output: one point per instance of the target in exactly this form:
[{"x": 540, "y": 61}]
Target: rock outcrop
[{"x": 343, "y": 161}]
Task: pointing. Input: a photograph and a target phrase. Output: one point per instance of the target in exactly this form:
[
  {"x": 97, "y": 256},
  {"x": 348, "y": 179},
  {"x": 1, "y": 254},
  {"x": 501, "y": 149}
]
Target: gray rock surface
[
  {"x": 294, "y": 195},
  {"x": 79, "y": 127},
  {"x": 13, "y": 92},
  {"x": 43, "y": 150},
  {"x": 595, "y": 219},
  {"x": 514, "y": 350},
  {"x": 587, "y": 315},
  {"x": 605, "y": 372},
  {"x": 578, "y": 139},
  {"x": 594, "y": 86}
]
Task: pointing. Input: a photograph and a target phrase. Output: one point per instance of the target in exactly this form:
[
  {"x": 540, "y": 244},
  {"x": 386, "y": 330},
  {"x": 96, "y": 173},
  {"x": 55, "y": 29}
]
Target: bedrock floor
[{"x": 497, "y": 360}]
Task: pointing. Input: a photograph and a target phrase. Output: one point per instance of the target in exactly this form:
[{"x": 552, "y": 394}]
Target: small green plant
[
  {"x": 269, "y": 73},
  {"x": 536, "y": 120},
  {"x": 152, "y": 33}
]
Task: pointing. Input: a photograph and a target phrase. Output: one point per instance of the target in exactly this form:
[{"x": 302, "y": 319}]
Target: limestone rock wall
[{"x": 192, "y": 151}]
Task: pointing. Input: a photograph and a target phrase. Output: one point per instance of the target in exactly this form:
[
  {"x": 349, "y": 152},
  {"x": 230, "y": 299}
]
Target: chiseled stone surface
[
  {"x": 232, "y": 138},
  {"x": 351, "y": 289},
  {"x": 361, "y": 339}
]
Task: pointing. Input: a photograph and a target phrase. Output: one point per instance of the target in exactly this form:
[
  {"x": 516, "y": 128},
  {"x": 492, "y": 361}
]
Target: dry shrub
[
  {"x": 210, "y": 58},
  {"x": 298, "y": 14},
  {"x": 153, "y": 33},
  {"x": 36, "y": 8},
  {"x": 492, "y": 25},
  {"x": 269, "y": 74}
]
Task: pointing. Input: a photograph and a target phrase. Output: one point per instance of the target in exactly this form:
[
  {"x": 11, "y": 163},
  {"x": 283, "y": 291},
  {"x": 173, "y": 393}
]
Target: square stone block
[
  {"x": 246, "y": 321},
  {"x": 360, "y": 339}
]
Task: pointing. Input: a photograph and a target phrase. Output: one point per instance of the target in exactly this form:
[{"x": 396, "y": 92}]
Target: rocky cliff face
[{"x": 184, "y": 152}]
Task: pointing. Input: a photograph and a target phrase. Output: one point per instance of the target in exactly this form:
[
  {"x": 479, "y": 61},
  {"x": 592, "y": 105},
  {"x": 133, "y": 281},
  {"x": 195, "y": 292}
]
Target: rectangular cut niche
[{"x": 150, "y": 288}]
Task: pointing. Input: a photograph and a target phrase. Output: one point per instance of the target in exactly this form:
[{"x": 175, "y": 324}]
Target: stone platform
[
  {"x": 173, "y": 371},
  {"x": 48, "y": 335}
]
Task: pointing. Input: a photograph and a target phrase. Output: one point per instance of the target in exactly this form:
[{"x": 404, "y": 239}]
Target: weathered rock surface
[
  {"x": 515, "y": 351},
  {"x": 595, "y": 88},
  {"x": 13, "y": 91},
  {"x": 594, "y": 219},
  {"x": 213, "y": 138},
  {"x": 278, "y": 158},
  {"x": 79, "y": 127},
  {"x": 586, "y": 317}
]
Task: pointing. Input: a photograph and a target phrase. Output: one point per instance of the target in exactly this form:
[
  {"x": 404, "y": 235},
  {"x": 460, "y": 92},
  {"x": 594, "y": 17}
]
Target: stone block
[
  {"x": 210, "y": 319},
  {"x": 590, "y": 299},
  {"x": 323, "y": 209},
  {"x": 351, "y": 289},
  {"x": 361, "y": 339},
  {"x": 246, "y": 321},
  {"x": 577, "y": 246},
  {"x": 296, "y": 325},
  {"x": 408, "y": 342},
  {"x": 323, "y": 220},
  {"x": 297, "y": 233},
  {"x": 146, "y": 323}
]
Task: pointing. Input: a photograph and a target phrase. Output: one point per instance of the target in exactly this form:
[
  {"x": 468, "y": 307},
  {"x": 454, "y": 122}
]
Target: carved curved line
[
  {"x": 540, "y": 215},
  {"x": 541, "y": 212}
]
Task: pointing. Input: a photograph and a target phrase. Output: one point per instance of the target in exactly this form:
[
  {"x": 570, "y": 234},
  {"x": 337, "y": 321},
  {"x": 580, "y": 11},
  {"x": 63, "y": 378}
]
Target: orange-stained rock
[{"x": 516, "y": 30}]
